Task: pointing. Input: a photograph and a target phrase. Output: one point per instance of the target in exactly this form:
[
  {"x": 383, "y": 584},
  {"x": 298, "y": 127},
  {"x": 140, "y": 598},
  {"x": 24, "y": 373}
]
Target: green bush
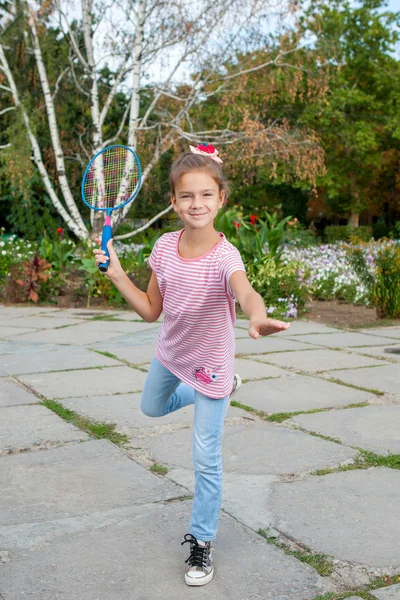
[
  {"x": 380, "y": 230},
  {"x": 345, "y": 233},
  {"x": 284, "y": 287},
  {"x": 379, "y": 270},
  {"x": 299, "y": 235}
]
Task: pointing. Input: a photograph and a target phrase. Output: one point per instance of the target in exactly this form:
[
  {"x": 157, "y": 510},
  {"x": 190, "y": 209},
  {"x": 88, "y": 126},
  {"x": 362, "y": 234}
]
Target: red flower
[
  {"x": 253, "y": 219},
  {"x": 206, "y": 148},
  {"x": 60, "y": 230},
  {"x": 237, "y": 224}
]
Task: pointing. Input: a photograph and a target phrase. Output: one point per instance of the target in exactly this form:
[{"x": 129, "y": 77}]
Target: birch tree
[{"x": 176, "y": 54}]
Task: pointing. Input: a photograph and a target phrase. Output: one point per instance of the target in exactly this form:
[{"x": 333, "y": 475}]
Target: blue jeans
[{"x": 163, "y": 393}]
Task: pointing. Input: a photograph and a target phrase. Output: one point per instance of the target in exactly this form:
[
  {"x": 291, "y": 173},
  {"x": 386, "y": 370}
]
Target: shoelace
[{"x": 198, "y": 554}]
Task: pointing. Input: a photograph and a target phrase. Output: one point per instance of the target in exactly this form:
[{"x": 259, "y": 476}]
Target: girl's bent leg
[
  {"x": 163, "y": 392},
  {"x": 209, "y": 415}
]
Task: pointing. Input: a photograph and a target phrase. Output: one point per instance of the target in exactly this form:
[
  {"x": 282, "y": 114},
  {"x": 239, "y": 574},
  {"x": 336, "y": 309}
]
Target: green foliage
[
  {"x": 253, "y": 236},
  {"x": 299, "y": 235},
  {"x": 346, "y": 233},
  {"x": 261, "y": 244},
  {"x": 282, "y": 286},
  {"x": 59, "y": 252},
  {"x": 380, "y": 273},
  {"x": 357, "y": 122}
]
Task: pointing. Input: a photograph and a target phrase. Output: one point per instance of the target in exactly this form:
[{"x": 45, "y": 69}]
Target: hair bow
[{"x": 206, "y": 150}]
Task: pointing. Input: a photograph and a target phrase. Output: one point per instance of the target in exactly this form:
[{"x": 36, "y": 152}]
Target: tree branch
[{"x": 152, "y": 220}]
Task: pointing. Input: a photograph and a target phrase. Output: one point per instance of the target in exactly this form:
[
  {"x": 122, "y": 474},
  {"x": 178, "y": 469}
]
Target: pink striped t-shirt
[{"x": 197, "y": 340}]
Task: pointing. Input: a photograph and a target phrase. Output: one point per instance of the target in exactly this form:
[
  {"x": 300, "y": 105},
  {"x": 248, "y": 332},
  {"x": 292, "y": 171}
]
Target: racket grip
[{"x": 105, "y": 237}]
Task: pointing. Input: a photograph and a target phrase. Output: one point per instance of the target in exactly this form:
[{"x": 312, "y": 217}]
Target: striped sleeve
[
  {"x": 230, "y": 262},
  {"x": 154, "y": 259}
]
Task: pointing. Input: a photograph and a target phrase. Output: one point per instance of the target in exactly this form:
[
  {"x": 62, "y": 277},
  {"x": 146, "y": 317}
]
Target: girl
[{"x": 196, "y": 276}]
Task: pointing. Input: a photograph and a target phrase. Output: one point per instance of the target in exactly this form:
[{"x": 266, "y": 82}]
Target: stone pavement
[{"x": 82, "y": 518}]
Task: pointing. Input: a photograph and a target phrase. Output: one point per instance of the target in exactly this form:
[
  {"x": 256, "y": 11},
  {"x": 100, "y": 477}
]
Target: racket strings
[{"x": 111, "y": 179}]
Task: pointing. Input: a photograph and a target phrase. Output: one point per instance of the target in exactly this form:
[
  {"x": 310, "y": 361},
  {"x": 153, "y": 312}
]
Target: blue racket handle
[{"x": 106, "y": 236}]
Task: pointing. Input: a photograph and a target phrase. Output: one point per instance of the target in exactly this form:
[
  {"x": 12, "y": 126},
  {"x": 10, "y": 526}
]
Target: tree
[
  {"x": 101, "y": 63},
  {"x": 358, "y": 121}
]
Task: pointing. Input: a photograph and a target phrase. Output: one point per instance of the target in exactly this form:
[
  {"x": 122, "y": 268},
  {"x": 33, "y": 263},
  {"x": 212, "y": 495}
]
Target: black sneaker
[{"x": 200, "y": 569}]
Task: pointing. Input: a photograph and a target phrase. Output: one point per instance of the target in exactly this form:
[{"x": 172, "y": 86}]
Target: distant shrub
[{"x": 345, "y": 233}]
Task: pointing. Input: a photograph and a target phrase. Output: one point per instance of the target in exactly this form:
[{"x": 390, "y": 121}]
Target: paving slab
[
  {"x": 392, "y": 592},
  {"x": 298, "y": 392},
  {"x": 12, "y": 394},
  {"x": 353, "y": 515},
  {"x": 375, "y": 428},
  {"x": 40, "y": 322},
  {"x": 26, "y": 310},
  {"x": 384, "y": 379},
  {"x": 40, "y": 427},
  {"x": 255, "y": 449},
  {"x": 345, "y": 339},
  {"x": 252, "y": 508},
  {"x": 135, "y": 355},
  {"x": 124, "y": 411},
  {"x": 250, "y": 369},
  {"x": 9, "y": 331},
  {"x": 86, "y": 313},
  {"x": 59, "y": 359},
  {"x": 140, "y": 338},
  {"x": 321, "y": 359},
  {"x": 64, "y": 384},
  {"x": 15, "y": 347},
  {"x": 85, "y": 333},
  {"x": 271, "y": 343},
  {"x": 138, "y": 554},
  {"x": 307, "y": 327},
  {"x": 389, "y": 332},
  {"x": 241, "y": 333},
  {"x": 387, "y": 352},
  {"x": 76, "y": 479},
  {"x": 296, "y": 327}
]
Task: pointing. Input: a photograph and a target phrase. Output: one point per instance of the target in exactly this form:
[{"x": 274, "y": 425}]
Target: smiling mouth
[{"x": 197, "y": 214}]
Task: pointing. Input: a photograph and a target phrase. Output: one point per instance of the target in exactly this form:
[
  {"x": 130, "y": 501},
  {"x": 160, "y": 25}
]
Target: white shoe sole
[
  {"x": 238, "y": 384},
  {"x": 197, "y": 581}
]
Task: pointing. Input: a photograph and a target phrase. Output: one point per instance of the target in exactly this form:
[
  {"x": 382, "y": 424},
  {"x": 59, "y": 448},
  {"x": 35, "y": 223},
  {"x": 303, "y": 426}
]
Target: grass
[
  {"x": 376, "y": 583},
  {"x": 320, "y": 562},
  {"x": 280, "y": 417},
  {"x": 159, "y": 469},
  {"x": 283, "y": 416},
  {"x": 249, "y": 409},
  {"x": 95, "y": 428},
  {"x": 364, "y": 460},
  {"x": 374, "y": 324},
  {"x": 108, "y": 354},
  {"x": 356, "y": 387}
]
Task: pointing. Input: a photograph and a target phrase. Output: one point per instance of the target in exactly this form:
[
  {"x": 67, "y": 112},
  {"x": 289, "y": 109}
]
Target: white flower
[{"x": 4, "y": 252}]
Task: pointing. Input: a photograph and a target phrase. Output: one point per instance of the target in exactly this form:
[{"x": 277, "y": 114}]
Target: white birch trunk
[
  {"x": 96, "y": 217},
  {"x": 135, "y": 102},
  {"x": 55, "y": 139},
  {"x": 80, "y": 232}
]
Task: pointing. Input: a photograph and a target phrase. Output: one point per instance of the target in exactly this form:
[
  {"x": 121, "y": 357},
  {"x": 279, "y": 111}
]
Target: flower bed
[{"x": 330, "y": 274}]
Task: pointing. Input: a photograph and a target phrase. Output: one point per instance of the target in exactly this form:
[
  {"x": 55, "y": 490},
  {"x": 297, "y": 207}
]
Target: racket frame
[
  {"x": 136, "y": 190},
  {"x": 107, "y": 229}
]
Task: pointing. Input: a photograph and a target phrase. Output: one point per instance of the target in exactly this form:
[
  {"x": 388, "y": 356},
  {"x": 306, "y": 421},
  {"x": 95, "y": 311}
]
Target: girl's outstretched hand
[
  {"x": 114, "y": 267},
  {"x": 266, "y": 327}
]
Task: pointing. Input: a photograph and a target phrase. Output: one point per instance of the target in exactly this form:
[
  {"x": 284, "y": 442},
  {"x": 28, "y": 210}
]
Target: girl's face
[{"x": 197, "y": 199}]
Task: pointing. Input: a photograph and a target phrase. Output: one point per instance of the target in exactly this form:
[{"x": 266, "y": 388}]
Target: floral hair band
[{"x": 206, "y": 150}]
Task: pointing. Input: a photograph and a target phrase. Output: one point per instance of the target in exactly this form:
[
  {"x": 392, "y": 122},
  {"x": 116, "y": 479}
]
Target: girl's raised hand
[
  {"x": 114, "y": 268},
  {"x": 266, "y": 327}
]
